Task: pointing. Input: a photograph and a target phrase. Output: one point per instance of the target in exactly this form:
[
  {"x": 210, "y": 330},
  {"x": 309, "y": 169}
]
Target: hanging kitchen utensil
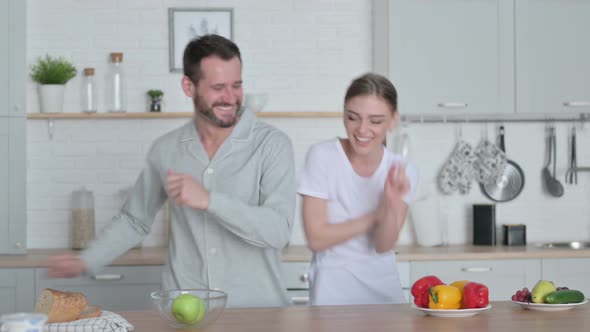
[
  {"x": 510, "y": 184},
  {"x": 571, "y": 176},
  {"x": 554, "y": 188},
  {"x": 574, "y": 157},
  {"x": 558, "y": 190}
]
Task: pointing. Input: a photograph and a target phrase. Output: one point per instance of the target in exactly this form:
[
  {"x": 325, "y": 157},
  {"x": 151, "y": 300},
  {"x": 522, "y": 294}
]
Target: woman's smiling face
[{"x": 367, "y": 119}]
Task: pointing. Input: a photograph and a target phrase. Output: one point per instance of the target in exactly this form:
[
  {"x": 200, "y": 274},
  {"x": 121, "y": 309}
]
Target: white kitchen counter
[{"x": 297, "y": 253}]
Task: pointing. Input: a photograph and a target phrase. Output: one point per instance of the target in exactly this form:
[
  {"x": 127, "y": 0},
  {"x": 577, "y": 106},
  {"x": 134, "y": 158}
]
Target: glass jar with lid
[
  {"x": 88, "y": 97},
  {"x": 115, "y": 87},
  {"x": 83, "y": 223}
]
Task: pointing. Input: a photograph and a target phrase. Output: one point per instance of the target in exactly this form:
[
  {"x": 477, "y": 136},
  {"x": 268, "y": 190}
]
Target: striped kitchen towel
[{"x": 107, "y": 322}]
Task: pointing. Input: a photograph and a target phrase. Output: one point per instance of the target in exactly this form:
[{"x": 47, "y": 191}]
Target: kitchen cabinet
[
  {"x": 403, "y": 269},
  {"x": 552, "y": 56},
  {"x": 12, "y": 57},
  {"x": 296, "y": 281},
  {"x": 16, "y": 290},
  {"x": 115, "y": 288},
  {"x": 567, "y": 272},
  {"x": 484, "y": 56},
  {"x": 447, "y": 56},
  {"x": 12, "y": 185},
  {"x": 503, "y": 277},
  {"x": 12, "y": 126}
]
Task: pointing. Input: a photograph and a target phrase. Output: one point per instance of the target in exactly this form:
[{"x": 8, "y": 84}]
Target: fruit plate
[
  {"x": 549, "y": 307},
  {"x": 452, "y": 313}
]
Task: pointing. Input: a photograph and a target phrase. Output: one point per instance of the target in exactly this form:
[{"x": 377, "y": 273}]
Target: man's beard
[{"x": 207, "y": 112}]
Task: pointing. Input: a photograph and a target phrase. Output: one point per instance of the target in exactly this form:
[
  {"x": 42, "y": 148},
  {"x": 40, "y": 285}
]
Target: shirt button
[
  {"x": 212, "y": 251},
  {"x": 210, "y": 171}
]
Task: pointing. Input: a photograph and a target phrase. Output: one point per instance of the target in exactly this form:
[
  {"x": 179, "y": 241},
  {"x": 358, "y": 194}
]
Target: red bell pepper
[
  {"x": 475, "y": 295},
  {"x": 420, "y": 289}
]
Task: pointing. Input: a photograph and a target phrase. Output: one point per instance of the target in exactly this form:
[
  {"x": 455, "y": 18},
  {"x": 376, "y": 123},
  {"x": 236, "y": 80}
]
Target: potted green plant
[
  {"x": 156, "y": 100},
  {"x": 52, "y": 74}
]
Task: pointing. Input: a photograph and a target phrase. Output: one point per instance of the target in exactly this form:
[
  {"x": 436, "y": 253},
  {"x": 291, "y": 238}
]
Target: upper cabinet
[
  {"x": 12, "y": 126},
  {"x": 12, "y": 57},
  {"x": 552, "y": 56},
  {"x": 485, "y": 56},
  {"x": 449, "y": 56}
]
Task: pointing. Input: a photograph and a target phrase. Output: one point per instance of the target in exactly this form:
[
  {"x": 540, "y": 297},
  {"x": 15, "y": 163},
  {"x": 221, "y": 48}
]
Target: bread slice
[
  {"x": 91, "y": 312},
  {"x": 60, "y": 306}
]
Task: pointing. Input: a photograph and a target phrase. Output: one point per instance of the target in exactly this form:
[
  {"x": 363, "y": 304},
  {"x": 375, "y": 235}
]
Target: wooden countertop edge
[
  {"x": 297, "y": 253},
  {"x": 503, "y": 316}
]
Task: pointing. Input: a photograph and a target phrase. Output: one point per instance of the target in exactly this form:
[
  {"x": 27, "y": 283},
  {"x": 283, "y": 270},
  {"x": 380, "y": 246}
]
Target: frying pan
[{"x": 510, "y": 184}]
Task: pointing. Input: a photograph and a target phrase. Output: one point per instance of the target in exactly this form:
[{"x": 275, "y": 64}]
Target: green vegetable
[{"x": 565, "y": 296}]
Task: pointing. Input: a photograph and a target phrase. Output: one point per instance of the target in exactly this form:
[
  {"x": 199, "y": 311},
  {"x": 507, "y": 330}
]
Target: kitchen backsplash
[{"x": 299, "y": 73}]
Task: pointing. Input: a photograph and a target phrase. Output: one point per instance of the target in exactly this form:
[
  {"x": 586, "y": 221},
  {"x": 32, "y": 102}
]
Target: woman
[{"x": 355, "y": 199}]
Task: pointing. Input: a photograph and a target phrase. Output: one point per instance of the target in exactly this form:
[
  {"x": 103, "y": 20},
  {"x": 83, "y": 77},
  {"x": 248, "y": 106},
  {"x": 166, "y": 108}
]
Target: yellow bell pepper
[{"x": 444, "y": 297}]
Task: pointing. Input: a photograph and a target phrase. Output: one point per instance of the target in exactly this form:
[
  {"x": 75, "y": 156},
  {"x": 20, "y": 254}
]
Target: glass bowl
[
  {"x": 23, "y": 321},
  {"x": 189, "y": 312},
  {"x": 256, "y": 101}
]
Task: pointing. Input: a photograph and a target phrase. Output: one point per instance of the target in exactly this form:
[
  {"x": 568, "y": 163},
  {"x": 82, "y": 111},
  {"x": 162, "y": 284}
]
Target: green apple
[{"x": 188, "y": 309}]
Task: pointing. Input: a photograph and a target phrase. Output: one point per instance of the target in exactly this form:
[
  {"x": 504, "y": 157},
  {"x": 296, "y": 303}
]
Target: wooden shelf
[{"x": 166, "y": 115}]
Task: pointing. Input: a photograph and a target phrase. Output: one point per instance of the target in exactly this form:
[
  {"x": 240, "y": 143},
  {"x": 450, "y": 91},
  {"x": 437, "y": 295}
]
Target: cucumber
[{"x": 565, "y": 296}]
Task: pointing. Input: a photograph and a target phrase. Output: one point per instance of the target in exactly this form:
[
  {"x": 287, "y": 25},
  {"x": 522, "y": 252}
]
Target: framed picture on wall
[{"x": 185, "y": 24}]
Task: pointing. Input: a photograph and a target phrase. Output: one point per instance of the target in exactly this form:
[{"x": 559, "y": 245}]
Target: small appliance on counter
[
  {"x": 514, "y": 235},
  {"x": 484, "y": 224}
]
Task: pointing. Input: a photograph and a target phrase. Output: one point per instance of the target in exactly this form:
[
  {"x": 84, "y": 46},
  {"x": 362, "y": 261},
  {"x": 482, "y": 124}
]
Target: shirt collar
[{"x": 241, "y": 132}]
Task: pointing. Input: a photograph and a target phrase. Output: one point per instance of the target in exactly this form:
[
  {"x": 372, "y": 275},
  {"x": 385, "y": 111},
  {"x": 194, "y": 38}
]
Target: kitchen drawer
[
  {"x": 298, "y": 297},
  {"x": 17, "y": 290},
  {"x": 567, "y": 272},
  {"x": 404, "y": 274},
  {"x": 295, "y": 275},
  {"x": 116, "y": 288},
  {"x": 503, "y": 277},
  {"x": 403, "y": 269}
]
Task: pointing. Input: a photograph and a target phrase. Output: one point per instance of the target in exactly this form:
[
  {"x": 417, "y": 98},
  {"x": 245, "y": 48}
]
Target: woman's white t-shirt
[{"x": 351, "y": 272}]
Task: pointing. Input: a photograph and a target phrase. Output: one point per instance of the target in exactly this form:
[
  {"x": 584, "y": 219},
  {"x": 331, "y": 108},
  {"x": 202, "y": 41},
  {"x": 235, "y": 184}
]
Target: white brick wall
[{"x": 303, "y": 53}]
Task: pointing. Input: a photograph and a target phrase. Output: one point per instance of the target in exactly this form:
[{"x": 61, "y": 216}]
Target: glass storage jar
[
  {"x": 83, "y": 224},
  {"x": 88, "y": 97},
  {"x": 115, "y": 87}
]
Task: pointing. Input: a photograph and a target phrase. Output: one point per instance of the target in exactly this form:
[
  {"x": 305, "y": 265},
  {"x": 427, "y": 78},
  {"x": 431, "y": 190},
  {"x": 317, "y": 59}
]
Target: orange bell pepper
[
  {"x": 461, "y": 284},
  {"x": 444, "y": 297}
]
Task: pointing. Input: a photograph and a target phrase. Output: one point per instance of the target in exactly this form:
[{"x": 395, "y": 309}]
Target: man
[{"x": 231, "y": 182}]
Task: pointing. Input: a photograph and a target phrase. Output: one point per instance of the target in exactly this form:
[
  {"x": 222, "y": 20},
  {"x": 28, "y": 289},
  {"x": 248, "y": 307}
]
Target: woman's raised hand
[{"x": 397, "y": 186}]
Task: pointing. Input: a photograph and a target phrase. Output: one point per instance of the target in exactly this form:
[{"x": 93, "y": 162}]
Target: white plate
[
  {"x": 549, "y": 307},
  {"x": 452, "y": 312}
]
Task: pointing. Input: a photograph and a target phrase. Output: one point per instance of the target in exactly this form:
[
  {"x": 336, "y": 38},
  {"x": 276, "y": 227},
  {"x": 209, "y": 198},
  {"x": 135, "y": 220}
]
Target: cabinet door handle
[
  {"x": 300, "y": 300},
  {"x": 304, "y": 277},
  {"x": 476, "y": 269},
  {"x": 452, "y": 105},
  {"x": 576, "y": 103},
  {"x": 107, "y": 277}
]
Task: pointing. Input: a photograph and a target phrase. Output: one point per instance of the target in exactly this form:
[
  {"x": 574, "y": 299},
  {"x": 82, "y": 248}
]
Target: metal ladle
[{"x": 554, "y": 187}]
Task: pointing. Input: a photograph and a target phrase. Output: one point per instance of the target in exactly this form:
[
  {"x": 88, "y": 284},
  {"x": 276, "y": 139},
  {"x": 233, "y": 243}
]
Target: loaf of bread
[
  {"x": 64, "y": 306},
  {"x": 91, "y": 312}
]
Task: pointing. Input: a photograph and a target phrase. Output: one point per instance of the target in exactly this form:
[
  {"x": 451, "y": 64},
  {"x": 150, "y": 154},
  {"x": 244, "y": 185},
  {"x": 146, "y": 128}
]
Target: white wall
[{"x": 303, "y": 53}]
